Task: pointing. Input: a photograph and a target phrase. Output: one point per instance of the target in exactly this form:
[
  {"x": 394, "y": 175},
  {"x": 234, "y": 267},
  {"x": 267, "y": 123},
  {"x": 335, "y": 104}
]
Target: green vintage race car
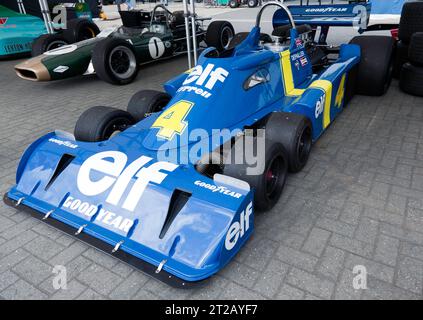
[
  {"x": 27, "y": 27},
  {"x": 116, "y": 54}
]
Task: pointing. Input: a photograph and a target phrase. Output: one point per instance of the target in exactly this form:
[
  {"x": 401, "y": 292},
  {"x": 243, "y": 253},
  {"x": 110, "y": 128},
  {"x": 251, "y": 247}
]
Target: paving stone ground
[{"x": 359, "y": 201}]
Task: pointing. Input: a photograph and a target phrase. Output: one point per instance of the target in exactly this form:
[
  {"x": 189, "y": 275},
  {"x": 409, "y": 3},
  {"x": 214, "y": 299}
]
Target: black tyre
[
  {"x": 376, "y": 66},
  {"x": 80, "y": 29},
  {"x": 48, "y": 42},
  {"x": 233, "y": 4},
  {"x": 411, "y": 80},
  {"x": 268, "y": 184},
  {"x": 415, "y": 52},
  {"x": 294, "y": 132},
  {"x": 219, "y": 35},
  {"x": 146, "y": 102},
  {"x": 401, "y": 57},
  {"x": 411, "y": 20},
  {"x": 351, "y": 85},
  {"x": 252, "y": 3},
  {"x": 115, "y": 61},
  {"x": 101, "y": 123}
]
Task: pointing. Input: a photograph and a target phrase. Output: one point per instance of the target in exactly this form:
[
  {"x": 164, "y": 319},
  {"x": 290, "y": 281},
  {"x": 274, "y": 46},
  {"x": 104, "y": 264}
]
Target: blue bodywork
[{"x": 99, "y": 188}]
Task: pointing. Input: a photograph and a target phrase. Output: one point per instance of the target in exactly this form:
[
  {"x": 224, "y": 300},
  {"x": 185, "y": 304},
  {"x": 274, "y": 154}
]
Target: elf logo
[
  {"x": 239, "y": 228},
  {"x": 207, "y": 76},
  {"x": 106, "y": 170},
  {"x": 3, "y": 21}
]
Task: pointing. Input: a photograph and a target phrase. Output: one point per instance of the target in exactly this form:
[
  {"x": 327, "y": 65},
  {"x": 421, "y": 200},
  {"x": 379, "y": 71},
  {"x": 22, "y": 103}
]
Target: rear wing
[{"x": 353, "y": 13}]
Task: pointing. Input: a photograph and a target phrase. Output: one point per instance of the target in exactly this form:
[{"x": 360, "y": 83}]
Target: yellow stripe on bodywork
[
  {"x": 288, "y": 78},
  {"x": 326, "y": 86}
]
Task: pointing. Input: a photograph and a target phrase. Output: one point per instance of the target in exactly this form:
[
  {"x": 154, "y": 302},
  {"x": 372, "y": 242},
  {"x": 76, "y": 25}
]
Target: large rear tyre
[
  {"x": 268, "y": 185},
  {"x": 47, "y": 42},
  {"x": 115, "y": 61},
  {"x": 146, "y": 102},
  {"x": 411, "y": 80},
  {"x": 376, "y": 66},
  {"x": 80, "y": 30},
  {"x": 294, "y": 132},
  {"x": 101, "y": 123},
  {"x": 219, "y": 35}
]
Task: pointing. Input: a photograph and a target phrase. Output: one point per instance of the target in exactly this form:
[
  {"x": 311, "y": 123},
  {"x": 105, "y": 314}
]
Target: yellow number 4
[{"x": 172, "y": 121}]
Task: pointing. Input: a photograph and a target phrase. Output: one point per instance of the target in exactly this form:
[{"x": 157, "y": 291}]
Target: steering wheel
[
  {"x": 167, "y": 12},
  {"x": 280, "y": 5}
]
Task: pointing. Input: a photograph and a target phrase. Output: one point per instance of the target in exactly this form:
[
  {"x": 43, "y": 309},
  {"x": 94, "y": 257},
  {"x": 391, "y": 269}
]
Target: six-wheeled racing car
[
  {"x": 115, "y": 54},
  {"x": 113, "y": 184}
]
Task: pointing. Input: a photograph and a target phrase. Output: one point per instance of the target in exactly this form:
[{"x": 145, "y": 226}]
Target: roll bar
[
  {"x": 278, "y": 4},
  {"x": 153, "y": 14}
]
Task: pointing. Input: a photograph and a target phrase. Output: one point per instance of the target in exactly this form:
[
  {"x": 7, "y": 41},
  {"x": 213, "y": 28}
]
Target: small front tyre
[
  {"x": 252, "y": 3},
  {"x": 101, "y": 123},
  {"x": 146, "y": 102},
  {"x": 267, "y": 184},
  {"x": 47, "y": 42}
]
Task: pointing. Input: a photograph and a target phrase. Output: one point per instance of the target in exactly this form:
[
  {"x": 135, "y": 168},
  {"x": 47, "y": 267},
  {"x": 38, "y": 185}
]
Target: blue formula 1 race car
[{"x": 121, "y": 182}]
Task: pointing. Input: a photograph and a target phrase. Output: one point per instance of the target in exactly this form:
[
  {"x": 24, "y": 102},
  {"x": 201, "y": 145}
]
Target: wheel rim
[
  {"x": 226, "y": 37},
  {"x": 55, "y": 44},
  {"x": 86, "y": 33},
  {"x": 304, "y": 145},
  {"x": 275, "y": 177},
  {"x": 122, "y": 62},
  {"x": 115, "y": 127}
]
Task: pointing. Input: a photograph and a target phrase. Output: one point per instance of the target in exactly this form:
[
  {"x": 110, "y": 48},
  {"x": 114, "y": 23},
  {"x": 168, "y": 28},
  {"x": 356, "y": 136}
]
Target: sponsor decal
[
  {"x": 204, "y": 79},
  {"x": 298, "y": 42},
  {"x": 17, "y": 47},
  {"x": 61, "y": 69},
  {"x": 3, "y": 21},
  {"x": 63, "y": 143},
  {"x": 156, "y": 47},
  {"x": 320, "y": 106},
  {"x": 326, "y": 10},
  {"x": 62, "y": 50},
  {"x": 105, "y": 216},
  {"x": 238, "y": 228},
  {"x": 116, "y": 177},
  {"x": 220, "y": 189},
  {"x": 297, "y": 55}
]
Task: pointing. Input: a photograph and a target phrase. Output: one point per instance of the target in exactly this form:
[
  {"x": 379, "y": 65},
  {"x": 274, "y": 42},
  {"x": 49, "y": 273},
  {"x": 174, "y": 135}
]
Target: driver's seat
[{"x": 178, "y": 19}]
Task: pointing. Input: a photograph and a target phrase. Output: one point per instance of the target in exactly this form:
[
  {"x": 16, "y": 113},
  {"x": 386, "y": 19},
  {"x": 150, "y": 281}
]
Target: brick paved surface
[{"x": 359, "y": 201}]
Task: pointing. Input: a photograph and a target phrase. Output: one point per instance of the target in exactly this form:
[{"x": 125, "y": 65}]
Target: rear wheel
[
  {"x": 269, "y": 183},
  {"x": 400, "y": 57},
  {"x": 101, "y": 123},
  {"x": 115, "y": 61},
  {"x": 48, "y": 42},
  {"x": 233, "y": 4},
  {"x": 252, "y": 3},
  {"x": 219, "y": 35},
  {"x": 146, "y": 102},
  {"x": 376, "y": 65},
  {"x": 80, "y": 29}
]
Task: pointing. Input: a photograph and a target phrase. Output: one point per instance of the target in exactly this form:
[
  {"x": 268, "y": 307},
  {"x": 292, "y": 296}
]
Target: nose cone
[{"x": 33, "y": 70}]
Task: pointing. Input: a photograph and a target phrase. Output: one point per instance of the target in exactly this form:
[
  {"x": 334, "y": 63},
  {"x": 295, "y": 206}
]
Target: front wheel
[
  {"x": 115, "y": 61},
  {"x": 101, "y": 123},
  {"x": 267, "y": 184},
  {"x": 146, "y": 102},
  {"x": 219, "y": 35},
  {"x": 233, "y": 4}
]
